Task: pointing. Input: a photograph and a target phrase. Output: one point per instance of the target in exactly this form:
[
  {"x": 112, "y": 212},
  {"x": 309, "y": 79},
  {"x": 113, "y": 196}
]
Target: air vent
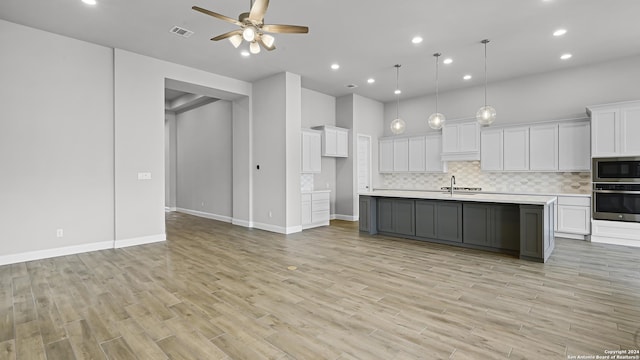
[
  {"x": 181, "y": 31},
  {"x": 351, "y": 86}
]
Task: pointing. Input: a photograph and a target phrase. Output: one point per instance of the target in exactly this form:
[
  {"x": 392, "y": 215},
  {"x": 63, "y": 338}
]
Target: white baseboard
[
  {"x": 140, "y": 241},
  {"x": 571, "y": 236},
  {"x": 345, "y": 217},
  {"x": 314, "y": 225},
  {"x": 206, "y": 215},
  {"x": 169, "y": 209},
  {"x": 614, "y": 241},
  {"x": 50, "y": 253},
  {"x": 615, "y": 232},
  {"x": 278, "y": 229},
  {"x": 241, "y": 222}
]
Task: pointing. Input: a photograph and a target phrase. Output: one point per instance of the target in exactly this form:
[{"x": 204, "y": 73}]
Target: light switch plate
[{"x": 144, "y": 176}]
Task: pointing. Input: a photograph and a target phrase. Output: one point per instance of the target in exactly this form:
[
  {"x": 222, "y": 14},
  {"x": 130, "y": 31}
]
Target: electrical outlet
[
  {"x": 270, "y": 214},
  {"x": 59, "y": 233}
]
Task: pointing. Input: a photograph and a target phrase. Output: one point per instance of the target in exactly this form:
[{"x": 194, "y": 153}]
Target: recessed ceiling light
[
  {"x": 447, "y": 61},
  {"x": 467, "y": 77},
  {"x": 371, "y": 80},
  {"x": 398, "y": 92},
  {"x": 245, "y": 53},
  {"x": 335, "y": 66},
  {"x": 559, "y": 32},
  {"x": 416, "y": 39},
  {"x": 89, "y": 2},
  {"x": 566, "y": 56}
]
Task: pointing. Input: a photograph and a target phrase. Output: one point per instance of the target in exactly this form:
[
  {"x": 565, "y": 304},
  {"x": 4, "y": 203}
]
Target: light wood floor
[{"x": 217, "y": 291}]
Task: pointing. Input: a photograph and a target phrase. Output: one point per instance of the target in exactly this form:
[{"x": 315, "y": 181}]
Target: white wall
[
  {"x": 320, "y": 109},
  {"x": 550, "y": 96},
  {"x": 139, "y": 138},
  {"x": 56, "y": 144},
  {"x": 276, "y": 140},
  {"x": 204, "y": 160}
]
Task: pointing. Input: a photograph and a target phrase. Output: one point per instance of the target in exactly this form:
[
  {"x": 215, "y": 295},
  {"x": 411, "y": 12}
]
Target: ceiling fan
[{"x": 252, "y": 27}]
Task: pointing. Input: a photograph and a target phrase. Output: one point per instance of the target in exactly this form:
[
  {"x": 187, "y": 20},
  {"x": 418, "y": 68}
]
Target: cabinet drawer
[
  {"x": 317, "y": 205},
  {"x": 319, "y": 216},
  {"x": 320, "y": 196},
  {"x": 574, "y": 200}
]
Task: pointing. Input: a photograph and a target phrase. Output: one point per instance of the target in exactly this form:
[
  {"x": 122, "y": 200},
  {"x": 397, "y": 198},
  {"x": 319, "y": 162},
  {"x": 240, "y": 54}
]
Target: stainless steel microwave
[{"x": 618, "y": 169}]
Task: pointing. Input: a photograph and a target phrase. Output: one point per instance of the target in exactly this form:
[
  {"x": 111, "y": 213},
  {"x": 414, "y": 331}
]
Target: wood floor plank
[
  {"x": 84, "y": 343},
  {"x": 8, "y": 350},
  {"x": 29, "y": 343},
  {"x": 118, "y": 349},
  {"x": 60, "y": 350}
]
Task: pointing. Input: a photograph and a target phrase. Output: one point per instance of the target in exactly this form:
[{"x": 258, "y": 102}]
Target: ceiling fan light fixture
[
  {"x": 236, "y": 40},
  {"x": 268, "y": 40},
  {"x": 249, "y": 34},
  {"x": 254, "y": 47}
]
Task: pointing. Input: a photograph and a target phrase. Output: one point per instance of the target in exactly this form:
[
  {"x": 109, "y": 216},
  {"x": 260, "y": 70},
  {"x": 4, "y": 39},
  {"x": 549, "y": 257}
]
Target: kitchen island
[{"x": 520, "y": 225}]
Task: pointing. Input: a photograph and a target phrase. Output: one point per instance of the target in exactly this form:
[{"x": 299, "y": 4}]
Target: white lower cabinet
[
  {"x": 573, "y": 216},
  {"x": 316, "y": 210}
]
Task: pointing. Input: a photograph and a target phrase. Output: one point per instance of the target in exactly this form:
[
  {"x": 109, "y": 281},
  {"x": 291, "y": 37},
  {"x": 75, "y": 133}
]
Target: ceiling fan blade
[
  {"x": 216, "y": 15},
  {"x": 269, "y": 48},
  {"x": 258, "y": 10},
  {"x": 290, "y": 29},
  {"x": 227, "y": 35}
]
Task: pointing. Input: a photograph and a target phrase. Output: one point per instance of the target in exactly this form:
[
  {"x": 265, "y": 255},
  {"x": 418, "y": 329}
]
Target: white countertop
[
  {"x": 465, "y": 196},
  {"x": 493, "y": 192},
  {"x": 315, "y": 191}
]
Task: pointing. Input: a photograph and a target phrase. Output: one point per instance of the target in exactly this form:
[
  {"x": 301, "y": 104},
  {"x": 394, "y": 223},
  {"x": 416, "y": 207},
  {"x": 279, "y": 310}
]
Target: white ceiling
[{"x": 366, "y": 37}]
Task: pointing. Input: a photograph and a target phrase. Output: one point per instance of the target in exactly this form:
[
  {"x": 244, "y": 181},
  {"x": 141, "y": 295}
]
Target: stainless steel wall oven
[{"x": 616, "y": 189}]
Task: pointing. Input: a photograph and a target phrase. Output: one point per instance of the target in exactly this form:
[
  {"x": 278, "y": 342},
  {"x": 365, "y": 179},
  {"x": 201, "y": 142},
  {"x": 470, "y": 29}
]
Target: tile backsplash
[
  {"x": 306, "y": 182},
  {"x": 468, "y": 174}
]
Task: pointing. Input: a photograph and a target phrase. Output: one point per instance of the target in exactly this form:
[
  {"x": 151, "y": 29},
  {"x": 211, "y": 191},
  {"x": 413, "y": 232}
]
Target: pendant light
[
  {"x": 437, "y": 120},
  {"x": 486, "y": 115},
  {"x": 397, "y": 125}
]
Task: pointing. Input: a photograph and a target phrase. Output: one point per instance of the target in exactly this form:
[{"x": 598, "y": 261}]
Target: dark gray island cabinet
[{"x": 517, "y": 225}]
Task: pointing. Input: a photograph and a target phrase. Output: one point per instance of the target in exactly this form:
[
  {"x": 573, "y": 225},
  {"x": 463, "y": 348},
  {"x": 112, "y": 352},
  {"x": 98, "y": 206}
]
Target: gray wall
[
  {"x": 56, "y": 143},
  {"x": 320, "y": 109},
  {"x": 276, "y": 128},
  {"x": 204, "y": 160},
  {"x": 170, "y": 161},
  {"x": 549, "y": 96}
]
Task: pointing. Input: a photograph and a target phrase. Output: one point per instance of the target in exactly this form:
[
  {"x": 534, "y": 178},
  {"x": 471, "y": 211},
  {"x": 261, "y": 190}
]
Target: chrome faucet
[{"x": 453, "y": 182}]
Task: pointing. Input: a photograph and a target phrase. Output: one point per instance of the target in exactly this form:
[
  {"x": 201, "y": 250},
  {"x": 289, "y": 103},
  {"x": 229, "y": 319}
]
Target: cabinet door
[
  {"x": 385, "y": 215},
  {"x": 404, "y": 220},
  {"x": 330, "y": 142},
  {"x": 505, "y": 227},
  {"x": 476, "y": 224},
  {"x": 516, "y": 149},
  {"x": 531, "y": 231},
  {"x": 449, "y": 221},
  {"x": 306, "y": 152},
  {"x": 315, "y": 159},
  {"x": 543, "y": 147},
  {"x": 342, "y": 143},
  {"x": 605, "y": 132},
  {"x": 469, "y": 137},
  {"x": 574, "y": 144},
  {"x": 306, "y": 209},
  {"x": 450, "y": 138},
  {"x": 433, "y": 157},
  {"x": 426, "y": 219},
  {"x": 417, "y": 153},
  {"x": 630, "y": 129},
  {"x": 364, "y": 214},
  {"x": 401, "y": 155},
  {"x": 491, "y": 150},
  {"x": 385, "y": 148},
  {"x": 574, "y": 219}
]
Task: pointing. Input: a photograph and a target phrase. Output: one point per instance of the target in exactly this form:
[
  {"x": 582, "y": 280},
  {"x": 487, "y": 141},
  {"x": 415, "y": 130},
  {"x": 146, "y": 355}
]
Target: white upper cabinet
[
  {"x": 615, "y": 129},
  {"x": 574, "y": 141},
  {"x": 417, "y": 154},
  {"x": 385, "y": 149},
  {"x": 516, "y": 149},
  {"x": 311, "y": 160},
  {"x": 491, "y": 151},
  {"x": 543, "y": 147},
  {"x": 433, "y": 157},
  {"x": 335, "y": 141},
  {"x": 401, "y": 155},
  {"x": 461, "y": 141}
]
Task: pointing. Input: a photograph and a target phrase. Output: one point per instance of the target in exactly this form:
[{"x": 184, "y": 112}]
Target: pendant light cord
[
  {"x": 486, "y": 41},
  {"x": 437, "y": 56},
  {"x": 397, "y": 90}
]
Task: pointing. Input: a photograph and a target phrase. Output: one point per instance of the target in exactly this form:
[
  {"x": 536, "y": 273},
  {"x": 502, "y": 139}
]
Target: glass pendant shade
[
  {"x": 268, "y": 40},
  {"x": 397, "y": 126},
  {"x": 236, "y": 40},
  {"x": 436, "y": 121},
  {"x": 254, "y": 47},
  {"x": 249, "y": 34},
  {"x": 486, "y": 115}
]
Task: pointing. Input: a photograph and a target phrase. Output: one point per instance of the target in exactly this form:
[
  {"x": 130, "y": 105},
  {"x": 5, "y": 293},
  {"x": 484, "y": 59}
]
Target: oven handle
[{"x": 616, "y": 192}]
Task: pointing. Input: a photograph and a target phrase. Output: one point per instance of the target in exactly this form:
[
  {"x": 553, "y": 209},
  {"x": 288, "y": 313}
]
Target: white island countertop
[{"x": 464, "y": 196}]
